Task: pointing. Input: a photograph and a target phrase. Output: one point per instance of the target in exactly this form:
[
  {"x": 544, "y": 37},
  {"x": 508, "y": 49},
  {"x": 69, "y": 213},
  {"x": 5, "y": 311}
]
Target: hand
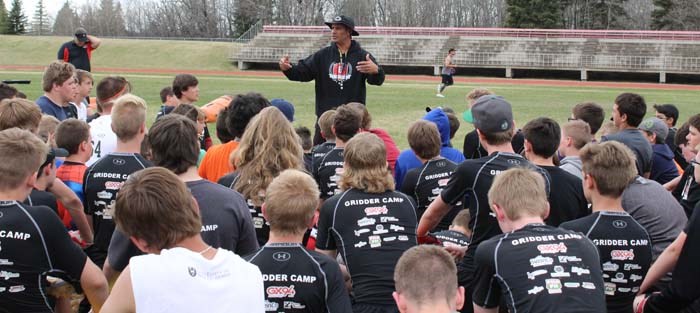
[
  {"x": 284, "y": 63},
  {"x": 456, "y": 252},
  {"x": 428, "y": 239},
  {"x": 367, "y": 66},
  {"x": 639, "y": 302}
]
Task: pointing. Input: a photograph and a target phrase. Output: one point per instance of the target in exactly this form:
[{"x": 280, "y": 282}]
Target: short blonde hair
[
  {"x": 58, "y": 72},
  {"x": 128, "y": 116},
  {"x": 48, "y": 126},
  {"x": 608, "y": 129},
  {"x": 611, "y": 164},
  {"x": 520, "y": 192},
  {"x": 21, "y": 153},
  {"x": 325, "y": 123},
  {"x": 365, "y": 165},
  {"x": 155, "y": 205},
  {"x": 20, "y": 113},
  {"x": 435, "y": 282},
  {"x": 292, "y": 198},
  {"x": 579, "y": 131}
]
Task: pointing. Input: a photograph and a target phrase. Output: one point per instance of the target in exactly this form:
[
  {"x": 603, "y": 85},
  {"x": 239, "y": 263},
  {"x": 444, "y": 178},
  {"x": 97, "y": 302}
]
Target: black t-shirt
[
  {"x": 452, "y": 238},
  {"x": 40, "y": 197},
  {"x": 688, "y": 191},
  {"x": 297, "y": 280},
  {"x": 474, "y": 177},
  {"x": 33, "y": 242},
  {"x": 76, "y": 55},
  {"x": 624, "y": 247},
  {"x": 318, "y": 151},
  {"x": 539, "y": 268},
  {"x": 262, "y": 228},
  {"x": 370, "y": 231},
  {"x": 473, "y": 149},
  {"x": 566, "y": 199},
  {"x": 425, "y": 183},
  {"x": 226, "y": 224},
  {"x": 101, "y": 184},
  {"x": 328, "y": 172}
]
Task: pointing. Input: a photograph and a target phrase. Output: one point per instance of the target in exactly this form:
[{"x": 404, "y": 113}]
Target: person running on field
[{"x": 448, "y": 69}]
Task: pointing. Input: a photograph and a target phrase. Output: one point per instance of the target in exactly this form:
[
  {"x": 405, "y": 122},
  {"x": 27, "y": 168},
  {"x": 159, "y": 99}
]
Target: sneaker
[
  {"x": 440, "y": 95},
  {"x": 438, "y": 88}
]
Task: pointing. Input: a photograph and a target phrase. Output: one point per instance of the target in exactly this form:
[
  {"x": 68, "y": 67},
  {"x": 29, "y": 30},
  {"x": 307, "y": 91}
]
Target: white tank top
[
  {"x": 180, "y": 280},
  {"x": 104, "y": 140}
]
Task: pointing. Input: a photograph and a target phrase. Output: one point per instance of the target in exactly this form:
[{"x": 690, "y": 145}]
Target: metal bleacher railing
[{"x": 624, "y": 60}]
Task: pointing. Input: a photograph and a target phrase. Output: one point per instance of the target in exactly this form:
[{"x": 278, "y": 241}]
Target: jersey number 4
[{"x": 97, "y": 148}]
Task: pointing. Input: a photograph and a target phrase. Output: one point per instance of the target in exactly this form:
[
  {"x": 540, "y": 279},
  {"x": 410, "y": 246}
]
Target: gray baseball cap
[
  {"x": 492, "y": 114},
  {"x": 656, "y": 126}
]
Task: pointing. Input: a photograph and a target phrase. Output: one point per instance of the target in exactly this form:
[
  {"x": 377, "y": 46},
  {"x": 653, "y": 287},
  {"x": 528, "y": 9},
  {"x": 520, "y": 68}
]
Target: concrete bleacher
[{"x": 509, "y": 49}]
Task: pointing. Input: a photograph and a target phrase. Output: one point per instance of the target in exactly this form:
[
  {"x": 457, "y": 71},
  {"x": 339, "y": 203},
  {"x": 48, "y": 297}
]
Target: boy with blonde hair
[
  {"x": 574, "y": 135},
  {"x": 289, "y": 208},
  {"x": 534, "y": 267}
]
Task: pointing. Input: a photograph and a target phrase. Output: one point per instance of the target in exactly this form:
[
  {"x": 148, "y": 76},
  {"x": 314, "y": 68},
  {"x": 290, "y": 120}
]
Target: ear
[
  {"x": 263, "y": 208},
  {"x": 459, "y": 298},
  {"x": 545, "y": 215},
  {"x": 500, "y": 214},
  {"x": 46, "y": 171},
  {"x": 333, "y": 129},
  {"x": 195, "y": 206},
  {"x": 30, "y": 182},
  {"x": 528, "y": 146},
  {"x": 569, "y": 141},
  {"x": 400, "y": 301},
  {"x": 590, "y": 183},
  {"x": 143, "y": 129}
]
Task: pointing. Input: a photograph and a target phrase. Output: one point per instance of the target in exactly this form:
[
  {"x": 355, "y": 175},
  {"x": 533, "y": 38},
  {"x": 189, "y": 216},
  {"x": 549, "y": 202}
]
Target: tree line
[{"x": 231, "y": 18}]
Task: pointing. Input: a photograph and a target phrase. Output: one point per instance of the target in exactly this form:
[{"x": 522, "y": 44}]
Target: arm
[
  {"x": 94, "y": 285},
  {"x": 94, "y": 41},
  {"x": 121, "y": 300},
  {"x": 75, "y": 208},
  {"x": 671, "y": 185},
  {"x": 63, "y": 53},
  {"x": 110, "y": 273},
  {"x": 432, "y": 216},
  {"x": 331, "y": 253},
  {"x": 664, "y": 263},
  {"x": 304, "y": 71}
]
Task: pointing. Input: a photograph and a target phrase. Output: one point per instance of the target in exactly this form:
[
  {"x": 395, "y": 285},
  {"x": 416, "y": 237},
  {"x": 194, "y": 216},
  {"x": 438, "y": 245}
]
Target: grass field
[
  {"x": 393, "y": 106},
  {"x": 397, "y": 103}
]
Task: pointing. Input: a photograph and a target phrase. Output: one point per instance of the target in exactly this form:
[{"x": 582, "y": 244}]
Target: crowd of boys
[{"x": 547, "y": 218}]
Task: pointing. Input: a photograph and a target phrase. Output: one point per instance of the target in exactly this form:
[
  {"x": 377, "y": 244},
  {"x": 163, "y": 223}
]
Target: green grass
[
  {"x": 397, "y": 103},
  {"x": 122, "y": 53}
]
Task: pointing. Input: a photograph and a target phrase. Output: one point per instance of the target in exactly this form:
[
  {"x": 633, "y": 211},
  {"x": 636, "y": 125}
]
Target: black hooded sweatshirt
[{"x": 337, "y": 79}]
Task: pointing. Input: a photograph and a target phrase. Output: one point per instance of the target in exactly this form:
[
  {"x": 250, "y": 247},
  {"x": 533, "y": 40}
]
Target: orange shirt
[{"x": 215, "y": 163}]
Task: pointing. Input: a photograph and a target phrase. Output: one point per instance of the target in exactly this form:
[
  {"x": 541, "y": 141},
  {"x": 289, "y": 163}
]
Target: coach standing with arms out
[
  {"x": 79, "y": 50},
  {"x": 340, "y": 70}
]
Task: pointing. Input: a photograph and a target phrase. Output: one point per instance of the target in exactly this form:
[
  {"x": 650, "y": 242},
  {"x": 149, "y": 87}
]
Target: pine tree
[
  {"x": 3, "y": 17},
  {"x": 660, "y": 20},
  {"x": 534, "y": 13},
  {"x": 17, "y": 21},
  {"x": 41, "y": 24},
  {"x": 66, "y": 21}
]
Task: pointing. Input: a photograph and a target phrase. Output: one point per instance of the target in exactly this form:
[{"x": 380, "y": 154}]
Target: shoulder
[
  {"x": 228, "y": 179},
  {"x": 580, "y": 224}
]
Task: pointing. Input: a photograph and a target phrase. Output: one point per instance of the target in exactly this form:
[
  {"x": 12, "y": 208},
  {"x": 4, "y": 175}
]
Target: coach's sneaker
[{"x": 440, "y": 95}]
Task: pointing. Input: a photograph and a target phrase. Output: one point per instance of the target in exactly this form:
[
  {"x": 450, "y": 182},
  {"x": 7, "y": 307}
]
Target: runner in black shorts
[
  {"x": 433, "y": 288},
  {"x": 33, "y": 241},
  {"x": 368, "y": 223},
  {"x": 296, "y": 280},
  {"x": 448, "y": 70},
  {"x": 425, "y": 183},
  {"x": 346, "y": 124},
  {"x": 493, "y": 119},
  {"x": 104, "y": 178},
  {"x": 534, "y": 267},
  {"x": 623, "y": 244}
]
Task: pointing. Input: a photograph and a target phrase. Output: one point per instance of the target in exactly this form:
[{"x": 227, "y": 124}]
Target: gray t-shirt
[
  {"x": 640, "y": 146},
  {"x": 226, "y": 224},
  {"x": 656, "y": 210},
  {"x": 572, "y": 165}
]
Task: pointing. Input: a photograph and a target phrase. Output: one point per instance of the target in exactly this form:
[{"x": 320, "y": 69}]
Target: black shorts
[{"x": 447, "y": 79}]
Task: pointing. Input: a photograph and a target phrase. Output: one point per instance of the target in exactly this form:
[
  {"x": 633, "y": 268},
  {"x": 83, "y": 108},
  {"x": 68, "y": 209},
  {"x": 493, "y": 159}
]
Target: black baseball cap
[
  {"x": 345, "y": 21},
  {"x": 81, "y": 34},
  {"x": 53, "y": 154}
]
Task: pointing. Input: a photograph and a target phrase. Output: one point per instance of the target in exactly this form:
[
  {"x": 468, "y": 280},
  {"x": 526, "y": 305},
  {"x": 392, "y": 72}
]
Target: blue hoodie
[
  {"x": 407, "y": 159},
  {"x": 663, "y": 168}
]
